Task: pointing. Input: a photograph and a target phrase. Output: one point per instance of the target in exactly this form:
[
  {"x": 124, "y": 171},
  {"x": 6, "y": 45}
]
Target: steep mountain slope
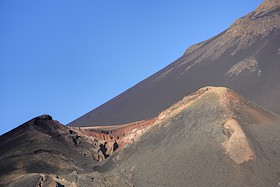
[
  {"x": 214, "y": 137},
  {"x": 245, "y": 58}
]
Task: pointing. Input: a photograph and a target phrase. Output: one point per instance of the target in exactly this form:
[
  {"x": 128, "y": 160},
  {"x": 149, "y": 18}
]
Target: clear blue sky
[{"x": 66, "y": 57}]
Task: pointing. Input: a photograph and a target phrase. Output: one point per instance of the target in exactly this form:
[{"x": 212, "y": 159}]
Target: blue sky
[{"x": 66, "y": 57}]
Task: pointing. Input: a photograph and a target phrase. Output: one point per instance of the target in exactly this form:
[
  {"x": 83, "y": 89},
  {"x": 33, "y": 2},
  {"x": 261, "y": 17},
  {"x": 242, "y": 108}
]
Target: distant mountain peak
[
  {"x": 259, "y": 22},
  {"x": 244, "y": 32},
  {"x": 268, "y": 5}
]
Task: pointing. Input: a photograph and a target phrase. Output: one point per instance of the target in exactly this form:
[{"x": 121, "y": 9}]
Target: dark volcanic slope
[
  {"x": 43, "y": 153},
  {"x": 245, "y": 58},
  {"x": 214, "y": 137}
]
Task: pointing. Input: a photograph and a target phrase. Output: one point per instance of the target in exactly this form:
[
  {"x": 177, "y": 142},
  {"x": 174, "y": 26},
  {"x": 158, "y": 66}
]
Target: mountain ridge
[{"x": 213, "y": 137}]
